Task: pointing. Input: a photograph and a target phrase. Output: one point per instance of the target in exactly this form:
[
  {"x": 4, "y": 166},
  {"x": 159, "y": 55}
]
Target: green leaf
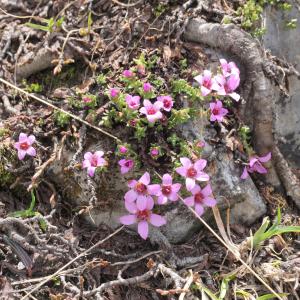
[
  {"x": 37, "y": 26},
  {"x": 270, "y": 296},
  {"x": 90, "y": 21}
]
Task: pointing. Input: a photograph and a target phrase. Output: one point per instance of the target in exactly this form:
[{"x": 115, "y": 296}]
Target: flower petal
[
  {"x": 130, "y": 196},
  {"x": 157, "y": 220},
  {"x": 141, "y": 202},
  {"x": 199, "y": 209},
  {"x": 176, "y": 187},
  {"x": 167, "y": 179},
  {"x": 245, "y": 173},
  {"x": 201, "y": 176},
  {"x": 153, "y": 189},
  {"x": 265, "y": 158},
  {"x": 190, "y": 183},
  {"x": 143, "y": 229},
  {"x": 88, "y": 155},
  {"x": 150, "y": 203},
  {"x": 173, "y": 196},
  {"x": 23, "y": 137},
  {"x": 189, "y": 201},
  {"x": 91, "y": 171},
  {"x": 186, "y": 162},
  {"x": 145, "y": 179},
  {"x": 208, "y": 201},
  {"x": 128, "y": 219},
  {"x": 21, "y": 154},
  {"x": 31, "y": 139},
  {"x": 132, "y": 183},
  {"x": 99, "y": 154},
  {"x": 207, "y": 190},
  {"x": 131, "y": 207},
  {"x": 31, "y": 151},
  {"x": 181, "y": 171},
  {"x": 200, "y": 164},
  {"x": 162, "y": 200}
]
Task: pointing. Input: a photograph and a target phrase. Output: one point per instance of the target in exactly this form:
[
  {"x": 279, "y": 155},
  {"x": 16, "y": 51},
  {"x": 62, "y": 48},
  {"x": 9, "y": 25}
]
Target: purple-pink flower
[
  {"x": 168, "y": 190},
  {"x": 167, "y": 102},
  {"x": 147, "y": 87},
  {"x": 201, "y": 197},
  {"x": 142, "y": 214},
  {"x": 192, "y": 172},
  {"x": 114, "y": 92},
  {"x": 154, "y": 152},
  {"x": 128, "y": 73},
  {"x": 217, "y": 111},
  {"x": 152, "y": 111},
  {"x": 228, "y": 68},
  {"x": 126, "y": 165},
  {"x": 141, "y": 190},
  {"x": 92, "y": 161},
  {"x": 255, "y": 165},
  {"x": 24, "y": 145},
  {"x": 133, "y": 102},
  {"x": 205, "y": 81},
  {"x": 87, "y": 99},
  {"x": 123, "y": 149},
  {"x": 227, "y": 85}
]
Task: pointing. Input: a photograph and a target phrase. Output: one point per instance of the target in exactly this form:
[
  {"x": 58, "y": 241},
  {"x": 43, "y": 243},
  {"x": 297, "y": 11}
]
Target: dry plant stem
[
  {"x": 187, "y": 285},
  {"x": 59, "y": 109},
  {"x": 70, "y": 262},
  {"x": 126, "y": 5}
]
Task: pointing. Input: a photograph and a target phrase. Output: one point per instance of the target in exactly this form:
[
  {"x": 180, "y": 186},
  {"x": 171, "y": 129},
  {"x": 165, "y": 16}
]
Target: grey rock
[{"x": 284, "y": 43}]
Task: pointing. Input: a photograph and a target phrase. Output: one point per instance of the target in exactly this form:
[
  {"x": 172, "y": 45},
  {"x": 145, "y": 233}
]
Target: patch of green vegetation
[
  {"x": 181, "y": 86},
  {"x": 160, "y": 9},
  {"x": 251, "y": 13},
  {"x": 51, "y": 24},
  {"x": 32, "y": 87},
  {"x": 61, "y": 119},
  {"x": 101, "y": 79}
]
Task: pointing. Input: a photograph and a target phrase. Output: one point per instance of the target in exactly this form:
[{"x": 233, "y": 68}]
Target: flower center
[
  {"x": 132, "y": 103},
  {"x": 94, "y": 161},
  {"x": 166, "y": 189},
  {"x": 143, "y": 215},
  {"x": 207, "y": 83},
  {"x": 151, "y": 111},
  {"x": 199, "y": 197},
  {"x": 215, "y": 111},
  {"x": 167, "y": 103},
  {"x": 140, "y": 188},
  {"x": 128, "y": 163},
  {"x": 191, "y": 172},
  {"x": 24, "y": 146}
]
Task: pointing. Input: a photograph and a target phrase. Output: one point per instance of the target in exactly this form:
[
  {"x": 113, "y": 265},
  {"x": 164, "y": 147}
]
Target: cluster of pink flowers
[
  {"x": 223, "y": 84},
  {"x": 140, "y": 199},
  {"x": 92, "y": 161},
  {"x": 255, "y": 165},
  {"x": 126, "y": 164},
  {"x": 152, "y": 111},
  {"x": 139, "y": 202}
]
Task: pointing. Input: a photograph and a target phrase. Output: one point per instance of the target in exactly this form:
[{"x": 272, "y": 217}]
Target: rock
[{"x": 287, "y": 121}]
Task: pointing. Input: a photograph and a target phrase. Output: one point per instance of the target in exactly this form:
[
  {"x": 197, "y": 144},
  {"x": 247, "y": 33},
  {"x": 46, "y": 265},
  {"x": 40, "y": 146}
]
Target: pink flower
[
  {"x": 87, "y": 100},
  {"x": 154, "y": 152},
  {"x": 114, "y": 92},
  {"x": 201, "y": 197},
  {"x": 168, "y": 190},
  {"x": 167, "y": 102},
  {"x": 142, "y": 215},
  {"x": 255, "y": 165},
  {"x": 200, "y": 144},
  {"x": 205, "y": 81},
  {"x": 133, "y": 102},
  {"x": 152, "y": 111},
  {"x": 227, "y": 85},
  {"x": 228, "y": 68},
  {"x": 147, "y": 87},
  {"x": 217, "y": 111},
  {"x": 192, "y": 172},
  {"x": 92, "y": 161},
  {"x": 123, "y": 149},
  {"x": 128, "y": 73},
  {"x": 24, "y": 145},
  {"x": 141, "y": 190},
  {"x": 126, "y": 165}
]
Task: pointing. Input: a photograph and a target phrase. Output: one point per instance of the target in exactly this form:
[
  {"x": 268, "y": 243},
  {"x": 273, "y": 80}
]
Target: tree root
[{"x": 257, "y": 90}]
